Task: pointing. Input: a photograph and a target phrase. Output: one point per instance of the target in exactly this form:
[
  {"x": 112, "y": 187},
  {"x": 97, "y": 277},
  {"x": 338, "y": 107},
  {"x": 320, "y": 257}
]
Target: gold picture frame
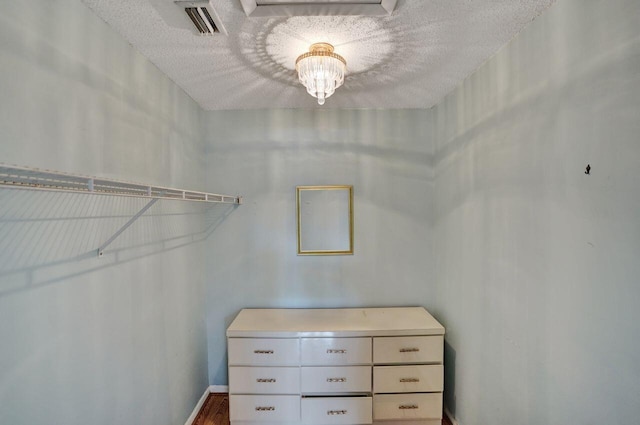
[{"x": 325, "y": 220}]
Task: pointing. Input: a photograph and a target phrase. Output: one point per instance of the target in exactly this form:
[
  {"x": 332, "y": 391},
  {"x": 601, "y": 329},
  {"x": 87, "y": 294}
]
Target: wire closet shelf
[{"x": 16, "y": 177}]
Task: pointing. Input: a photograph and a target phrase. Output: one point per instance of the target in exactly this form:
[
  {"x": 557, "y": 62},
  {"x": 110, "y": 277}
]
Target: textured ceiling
[{"x": 409, "y": 59}]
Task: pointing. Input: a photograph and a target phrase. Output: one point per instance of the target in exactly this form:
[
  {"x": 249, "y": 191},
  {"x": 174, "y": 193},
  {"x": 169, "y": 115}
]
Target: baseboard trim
[
  {"x": 450, "y": 416},
  {"x": 218, "y": 388},
  {"x": 196, "y": 409}
]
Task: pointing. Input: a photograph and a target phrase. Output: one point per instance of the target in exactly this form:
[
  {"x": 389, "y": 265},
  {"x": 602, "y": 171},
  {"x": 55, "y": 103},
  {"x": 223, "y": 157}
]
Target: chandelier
[{"x": 321, "y": 71}]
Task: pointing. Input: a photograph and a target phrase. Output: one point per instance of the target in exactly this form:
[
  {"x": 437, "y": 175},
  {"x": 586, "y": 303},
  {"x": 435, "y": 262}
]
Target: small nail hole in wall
[{"x": 588, "y": 169}]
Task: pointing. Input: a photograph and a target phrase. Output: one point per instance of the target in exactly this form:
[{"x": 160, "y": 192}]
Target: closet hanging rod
[{"x": 16, "y": 177}]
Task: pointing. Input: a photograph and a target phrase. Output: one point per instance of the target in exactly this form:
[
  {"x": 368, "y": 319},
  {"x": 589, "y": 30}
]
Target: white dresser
[{"x": 335, "y": 366}]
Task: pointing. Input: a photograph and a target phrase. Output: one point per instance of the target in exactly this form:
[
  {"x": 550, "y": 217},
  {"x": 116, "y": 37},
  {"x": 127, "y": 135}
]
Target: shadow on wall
[
  {"x": 47, "y": 237},
  {"x": 450, "y": 378},
  {"x": 386, "y": 155}
]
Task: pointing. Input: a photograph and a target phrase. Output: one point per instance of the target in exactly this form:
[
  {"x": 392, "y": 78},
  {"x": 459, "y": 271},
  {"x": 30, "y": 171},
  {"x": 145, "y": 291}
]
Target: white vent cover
[
  {"x": 204, "y": 18},
  {"x": 197, "y": 16},
  {"x": 259, "y": 8}
]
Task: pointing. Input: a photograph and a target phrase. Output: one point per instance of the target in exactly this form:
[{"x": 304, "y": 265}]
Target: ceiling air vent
[
  {"x": 203, "y": 17},
  {"x": 202, "y": 20},
  {"x": 258, "y": 8}
]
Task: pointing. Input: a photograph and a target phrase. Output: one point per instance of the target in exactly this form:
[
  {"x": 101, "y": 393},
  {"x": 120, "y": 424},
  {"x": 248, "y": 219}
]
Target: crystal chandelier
[{"x": 321, "y": 71}]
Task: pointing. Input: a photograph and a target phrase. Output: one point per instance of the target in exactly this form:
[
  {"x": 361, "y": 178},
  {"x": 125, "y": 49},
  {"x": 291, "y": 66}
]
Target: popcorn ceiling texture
[{"x": 410, "y": 59}]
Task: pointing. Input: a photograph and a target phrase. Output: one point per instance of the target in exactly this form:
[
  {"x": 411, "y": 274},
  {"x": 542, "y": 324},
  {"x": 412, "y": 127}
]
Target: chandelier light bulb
[{"x": 321, "y": 71}]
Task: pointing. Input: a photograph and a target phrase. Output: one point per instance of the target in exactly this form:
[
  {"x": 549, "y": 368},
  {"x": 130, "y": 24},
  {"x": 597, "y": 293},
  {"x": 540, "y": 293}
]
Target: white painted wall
[
  {"x": 537, "y": 263},
  {"x": 120, "y": 340},
  {"x": 264, "y": 155},
  {"x": 478, "y": 210}
]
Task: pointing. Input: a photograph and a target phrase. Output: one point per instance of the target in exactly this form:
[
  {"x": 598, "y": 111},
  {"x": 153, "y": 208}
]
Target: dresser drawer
[
  {"x": 264, "y": 380},
  {"x": 264, "y": 408},
  {"x": 263, "y": 352},
  {"x": 335, "y": 351},
  {"x": 336, "y": 379},
  {"x": 410, "y": 349},
  {"x": 407, "y": 406},
  {"x": 336, "y": 410},
  {"x": 407, "y": 379}
]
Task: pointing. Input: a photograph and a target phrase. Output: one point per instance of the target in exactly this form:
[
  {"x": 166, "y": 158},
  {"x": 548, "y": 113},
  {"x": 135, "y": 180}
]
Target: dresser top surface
[{"x": 334, "y": 322}]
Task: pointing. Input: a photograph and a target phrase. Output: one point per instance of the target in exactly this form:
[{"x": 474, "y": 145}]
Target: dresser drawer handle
[
  {"x": 265, "y": 408},
  {"x": 409, "y": 380},
  {"x": 266, "y": 380},
  {"x": 409, "y": 350},
  {"x": 263, "y": 351},
  {"x": 336, "y": 379},
  {"x": 333, "y": 351},
  {"x": 408, "y": 406},
  {"x": 336, "y": 412}
]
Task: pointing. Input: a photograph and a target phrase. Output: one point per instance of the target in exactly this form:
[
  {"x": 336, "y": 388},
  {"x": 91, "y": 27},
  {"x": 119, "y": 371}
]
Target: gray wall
[
  {"x": 264, "y": 155},
  {"x": 537, "y": 263},
  {"x": 117, "y": 340}
]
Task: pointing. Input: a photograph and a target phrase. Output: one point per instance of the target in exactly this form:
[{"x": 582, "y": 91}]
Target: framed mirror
[{"x": 325, "y": 220}]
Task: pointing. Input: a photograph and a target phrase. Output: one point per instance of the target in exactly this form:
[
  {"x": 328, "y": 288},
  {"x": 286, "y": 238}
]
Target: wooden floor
[{"x": 215, "y": 411}]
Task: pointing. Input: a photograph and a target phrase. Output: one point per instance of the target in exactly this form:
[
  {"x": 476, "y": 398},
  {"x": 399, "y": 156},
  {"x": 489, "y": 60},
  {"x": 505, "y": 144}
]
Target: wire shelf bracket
[
  {"x": 123, "y": 228},
  {"x": 16, "y": 177}
]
